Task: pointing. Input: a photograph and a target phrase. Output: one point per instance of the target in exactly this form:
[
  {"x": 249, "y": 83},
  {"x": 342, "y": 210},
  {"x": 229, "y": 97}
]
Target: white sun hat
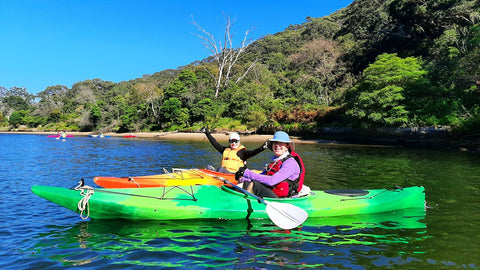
[
  {"x": 282, "y": 136},
  {"x": 234, "y": 136}
]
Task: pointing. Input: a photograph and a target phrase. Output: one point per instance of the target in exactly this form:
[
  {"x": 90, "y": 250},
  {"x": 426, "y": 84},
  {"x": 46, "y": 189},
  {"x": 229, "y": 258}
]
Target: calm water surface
[{"x": 37, "y": 234}]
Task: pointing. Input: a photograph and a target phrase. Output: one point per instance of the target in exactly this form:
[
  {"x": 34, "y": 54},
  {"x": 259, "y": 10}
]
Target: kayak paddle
[{"x": 284, "y": 215}]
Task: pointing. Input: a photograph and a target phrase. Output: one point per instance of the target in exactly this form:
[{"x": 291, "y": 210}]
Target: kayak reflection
[{"x": 228, "y": 243}]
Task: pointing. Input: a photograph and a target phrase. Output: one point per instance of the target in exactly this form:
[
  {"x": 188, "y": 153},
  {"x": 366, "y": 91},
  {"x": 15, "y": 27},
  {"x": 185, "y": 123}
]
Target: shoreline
[
  {"x": 185, "y": 136},
  {"x": 420, "y": 141}
]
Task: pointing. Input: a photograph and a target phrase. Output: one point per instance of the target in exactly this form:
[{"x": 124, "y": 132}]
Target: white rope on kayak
[
  {"x": 130, "y": 178},
  {"x": 167, "y": 172},
  {"x": 178, "y": 171},
  {"x": 199, "y": 173},
  {"x": 86, "y": 192}
]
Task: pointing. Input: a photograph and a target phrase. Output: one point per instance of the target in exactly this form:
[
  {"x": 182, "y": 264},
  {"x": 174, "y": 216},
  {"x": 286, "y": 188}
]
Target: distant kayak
[
  {"x": 98, "y": 136},
  {"x": 56, "y": 136},
  {"x": 129, "y": 136}
]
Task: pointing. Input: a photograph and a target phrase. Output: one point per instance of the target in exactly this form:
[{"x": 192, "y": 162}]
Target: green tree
[
  {"x": 16, "y": 118},
  {"x": 53, "y": 98},
  {"x": 34, "y": 120},
  {"x": 95, "y": 115},
  {"x": 16, "y": 102},
  {"x": 182, "y": 86},
  {"x": 206, "y": 110},
  {"x": 128, "y": 119},
  {"x": 378, "y": 99},
  {"x": 173, "y": 113},
  {"x": 277, "y": 62},
  {"x": 54, "y": 116},
  {"x": 19, "y": 92}
]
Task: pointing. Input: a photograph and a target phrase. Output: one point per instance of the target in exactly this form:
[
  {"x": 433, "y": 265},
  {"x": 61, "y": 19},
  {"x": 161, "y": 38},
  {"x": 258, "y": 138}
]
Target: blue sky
[{"x": 51, "y": 42}]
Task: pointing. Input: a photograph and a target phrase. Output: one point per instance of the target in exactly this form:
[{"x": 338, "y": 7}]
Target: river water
[{"x": 37, "y": 234}]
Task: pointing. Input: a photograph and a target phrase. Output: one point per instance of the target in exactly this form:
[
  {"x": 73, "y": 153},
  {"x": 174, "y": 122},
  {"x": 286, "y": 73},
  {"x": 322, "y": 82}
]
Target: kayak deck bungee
[
  {"x": 178, "y": 177},
  {"x": 221, "y": 202}
]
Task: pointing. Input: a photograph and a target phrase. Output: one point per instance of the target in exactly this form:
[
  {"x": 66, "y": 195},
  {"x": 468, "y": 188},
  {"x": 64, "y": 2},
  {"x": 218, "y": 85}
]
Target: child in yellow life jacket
[{"x": 235, "y": 155}]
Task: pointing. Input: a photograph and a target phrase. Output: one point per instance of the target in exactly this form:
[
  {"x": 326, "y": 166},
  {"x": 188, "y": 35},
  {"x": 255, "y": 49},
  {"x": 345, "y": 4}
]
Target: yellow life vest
[{"x": 230, "y": 160}]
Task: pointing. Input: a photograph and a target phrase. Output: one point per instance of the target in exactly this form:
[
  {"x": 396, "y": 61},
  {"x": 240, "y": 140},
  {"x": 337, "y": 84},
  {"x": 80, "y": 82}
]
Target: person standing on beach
[{"x": 235, "y": 155}]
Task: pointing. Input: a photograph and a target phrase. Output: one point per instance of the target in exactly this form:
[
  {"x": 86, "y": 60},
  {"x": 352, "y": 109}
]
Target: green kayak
[{"x": 214, "y": 202}]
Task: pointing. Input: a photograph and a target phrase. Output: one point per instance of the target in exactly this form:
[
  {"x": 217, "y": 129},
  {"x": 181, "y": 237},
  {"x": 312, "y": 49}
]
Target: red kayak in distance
[{"x": 129, "y": 136}]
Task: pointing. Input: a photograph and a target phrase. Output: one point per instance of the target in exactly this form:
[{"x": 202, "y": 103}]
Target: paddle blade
[{"x": 286, "y": 216}]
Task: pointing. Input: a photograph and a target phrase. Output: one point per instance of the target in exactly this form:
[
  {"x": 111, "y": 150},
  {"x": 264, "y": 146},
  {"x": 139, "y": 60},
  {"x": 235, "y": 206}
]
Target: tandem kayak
[
  {"x": 178, "y": 177},
  {"x": 222, "y": 202}
]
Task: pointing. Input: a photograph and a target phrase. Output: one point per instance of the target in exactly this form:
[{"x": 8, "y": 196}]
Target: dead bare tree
[
  {"x": 224, "y": 54},
  {"x": 149, "y": 92}
]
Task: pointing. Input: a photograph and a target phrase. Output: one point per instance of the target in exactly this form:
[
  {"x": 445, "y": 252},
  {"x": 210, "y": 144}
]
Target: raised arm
[
  {"x": 220, "y": 148},
  {"x": 246, "y": 154}
]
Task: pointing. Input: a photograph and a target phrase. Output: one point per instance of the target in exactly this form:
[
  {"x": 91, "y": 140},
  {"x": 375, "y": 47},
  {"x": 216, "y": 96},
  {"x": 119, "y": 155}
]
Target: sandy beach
[{"x": 221, "y": 137}]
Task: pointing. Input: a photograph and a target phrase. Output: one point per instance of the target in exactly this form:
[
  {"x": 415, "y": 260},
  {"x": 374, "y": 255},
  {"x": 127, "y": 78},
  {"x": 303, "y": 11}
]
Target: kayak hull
[
  {"x": 175, "y": 178},
  {"x": 214, "y": 202}
]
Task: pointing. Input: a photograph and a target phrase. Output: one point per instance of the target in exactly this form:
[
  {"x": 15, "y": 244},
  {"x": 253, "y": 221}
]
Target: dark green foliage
[
  {"x": 54, "y": 116},
  {"x": 182, "y": 84},
  {"x": 33, "y": 121},
  {"x": 128, "y": 119},
  {"x": 205, "y": 110},
  {"x": 95, "y": 115},
  {"x": 16, "y": 118},
  {"x": 372, "y": 64},
  {"x": 173, "y": 113},
  {"x": 16, "y": 102}
]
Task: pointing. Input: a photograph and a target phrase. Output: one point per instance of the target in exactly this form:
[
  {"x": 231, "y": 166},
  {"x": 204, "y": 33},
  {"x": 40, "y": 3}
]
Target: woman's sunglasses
[{"x": 233, "y": 141}]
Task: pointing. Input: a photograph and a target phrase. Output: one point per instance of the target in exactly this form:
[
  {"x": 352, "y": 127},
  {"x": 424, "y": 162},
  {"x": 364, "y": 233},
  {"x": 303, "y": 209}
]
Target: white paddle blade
[{"x": 286, "y": 216}]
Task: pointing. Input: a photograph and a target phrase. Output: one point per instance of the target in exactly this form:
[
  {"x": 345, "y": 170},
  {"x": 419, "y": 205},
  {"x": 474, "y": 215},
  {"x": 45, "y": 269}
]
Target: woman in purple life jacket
[{"x": 283, "y": 176}]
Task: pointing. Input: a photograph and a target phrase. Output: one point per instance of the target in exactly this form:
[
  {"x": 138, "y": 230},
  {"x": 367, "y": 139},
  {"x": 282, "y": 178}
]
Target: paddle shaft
[
  {"x": 243, "y": 190},
  {"x": 275, "y": 207}
]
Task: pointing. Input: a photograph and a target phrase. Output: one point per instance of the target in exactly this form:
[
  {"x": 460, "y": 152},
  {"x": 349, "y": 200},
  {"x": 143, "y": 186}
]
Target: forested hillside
[{"x": 391, "y": 63}]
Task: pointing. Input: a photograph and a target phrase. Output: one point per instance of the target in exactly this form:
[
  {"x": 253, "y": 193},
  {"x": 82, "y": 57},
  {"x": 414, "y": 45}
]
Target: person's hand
[
  {"x": 240, "y": 173},
  {"x": 204, "y": 130},
  {"x": 265, "y": 144}
]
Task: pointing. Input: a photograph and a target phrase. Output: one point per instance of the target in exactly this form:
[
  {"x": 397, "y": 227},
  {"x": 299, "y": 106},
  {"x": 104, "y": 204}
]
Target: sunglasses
[{"x": 233, "y": 141}]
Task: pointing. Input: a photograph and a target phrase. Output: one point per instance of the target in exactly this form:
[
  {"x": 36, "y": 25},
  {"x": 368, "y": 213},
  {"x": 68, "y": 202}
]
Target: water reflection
[{"x": 227, "y": 243}]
